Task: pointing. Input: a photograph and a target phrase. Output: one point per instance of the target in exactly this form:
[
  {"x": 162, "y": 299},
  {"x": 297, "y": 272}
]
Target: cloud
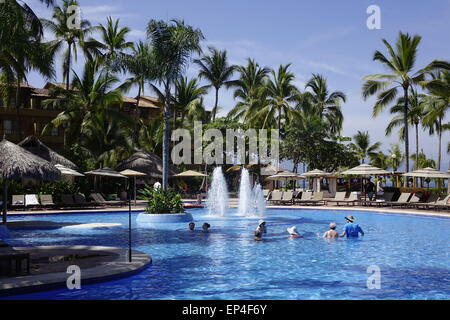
[
  {"x": 137, "y": 34},
  {"x": 97, "y": 14}
]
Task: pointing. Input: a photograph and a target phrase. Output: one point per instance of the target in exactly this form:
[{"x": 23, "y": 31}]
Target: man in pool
[
  {"x": 351, "y": 229},
  {"x": 332, "y": 233},
  {"x": 191, "y": 226},
  {"x": 206, "y": 227}
]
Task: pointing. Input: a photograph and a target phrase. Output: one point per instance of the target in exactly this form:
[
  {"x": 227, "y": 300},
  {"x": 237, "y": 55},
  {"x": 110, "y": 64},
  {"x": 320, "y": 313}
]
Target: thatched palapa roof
[
  {"x": 35, "y": 146},
  {"x": 146, "y": 162},
  {"x": 17, "y": 163}
]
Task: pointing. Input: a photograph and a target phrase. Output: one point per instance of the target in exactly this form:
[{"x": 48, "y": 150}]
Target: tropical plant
[
  {"x": 217, "y": 71},
  {"x": 422, "y": 161},
  {"x": 186, "y": 97},
  {"x": 362, "y": 145},
  {"x": 326, "y": 104},
  {"x": 280, "y": 93},
  {"x": 112, "y": 45},
  {"x": 395, "y": 157},
  {"x": 416, "y": 114},
  {"x": 92, "y": 92},
  {"x": 250, "y": 91},
  {"x": 21, "y": 50},
  {"x": 400, "y": 62},
  {"x": 161, "y": 201},
  {"x": 172, "y": 45},
  {"x": 379, "y": 160},
  {"x": 72, "y": 36},
  {"x": 437, "y": 105}
]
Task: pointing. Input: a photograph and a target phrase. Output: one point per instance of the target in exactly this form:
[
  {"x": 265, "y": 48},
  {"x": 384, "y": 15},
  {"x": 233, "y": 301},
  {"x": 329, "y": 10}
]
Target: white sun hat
[{"x": 292, "y": 230}]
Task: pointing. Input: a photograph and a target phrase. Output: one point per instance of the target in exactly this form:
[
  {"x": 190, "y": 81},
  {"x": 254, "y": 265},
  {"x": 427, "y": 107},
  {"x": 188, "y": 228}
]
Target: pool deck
[{"x": 98, "y": 264}]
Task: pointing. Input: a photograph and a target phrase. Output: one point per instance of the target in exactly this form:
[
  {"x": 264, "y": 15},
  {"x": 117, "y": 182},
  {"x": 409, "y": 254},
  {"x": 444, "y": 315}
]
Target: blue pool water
[{"x": 412, "y": 253}]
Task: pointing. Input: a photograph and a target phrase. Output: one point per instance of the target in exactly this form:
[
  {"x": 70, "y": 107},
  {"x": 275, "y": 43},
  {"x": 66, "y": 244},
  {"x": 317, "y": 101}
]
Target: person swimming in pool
[
  {"x": 351, "y": 229},
  {"x": 293, "y": 233},
  {"x": 191, "y": 226},
  {"x": 260, "y": 230},
  {"x": 206, "y": 227},
  {"x": 332, "y": 233}
]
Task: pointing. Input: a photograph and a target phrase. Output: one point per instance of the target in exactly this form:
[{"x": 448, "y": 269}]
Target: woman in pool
[
  {"x": 332, "y": 233},
  {"x": 206, "y": 227},
  {"x": 260, "y": 230},
  {"x": 293, "y": 233}
]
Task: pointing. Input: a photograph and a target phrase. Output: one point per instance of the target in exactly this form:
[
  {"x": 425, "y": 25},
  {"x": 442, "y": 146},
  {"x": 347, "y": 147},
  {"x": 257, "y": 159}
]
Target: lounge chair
[
  {"x": 80, "y": 200},
  {"x": 432, "y": 200},
  {"x": 306, "y": 197},
  {"x": 97, "y": 197},
  {"x": 47, "y": 200},
  {"x": 352, "y": 199},
  {"x": 440, "y": 204},
  {"x": 275, "y": 196},
  {"x": 317, "y": 198},
  {"x": 385, "y": 198},
  {"x": 287, "y": 197},
  {"x": 402, "y": 201},
  {"x": 67, "y": 200},
  {"x": 31, "y": 200},
  {"x": 18, "y": 201},
  {"x": 339, "y": 196}
]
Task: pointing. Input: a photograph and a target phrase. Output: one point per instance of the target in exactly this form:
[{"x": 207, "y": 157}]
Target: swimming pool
[{"x": 412, "y": 253}]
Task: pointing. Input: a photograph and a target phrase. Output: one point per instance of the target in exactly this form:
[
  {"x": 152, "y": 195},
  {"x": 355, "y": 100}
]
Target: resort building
[{"x": 35, "y": 116}]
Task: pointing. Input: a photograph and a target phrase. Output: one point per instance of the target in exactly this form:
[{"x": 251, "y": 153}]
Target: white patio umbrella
[
  {"x": 68, "y": 172},
  {"x": 428, "y": 173},
  {"x": 366, "y": 170},
  {"x": 189, "y": 173},
  {"x": 106, "y": 172},
  {"x": 284, "y": 176}
]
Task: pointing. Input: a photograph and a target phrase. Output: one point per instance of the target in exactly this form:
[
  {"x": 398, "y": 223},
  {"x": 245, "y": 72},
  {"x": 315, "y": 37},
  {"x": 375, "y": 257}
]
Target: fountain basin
[{"x": 164, "y": 218}]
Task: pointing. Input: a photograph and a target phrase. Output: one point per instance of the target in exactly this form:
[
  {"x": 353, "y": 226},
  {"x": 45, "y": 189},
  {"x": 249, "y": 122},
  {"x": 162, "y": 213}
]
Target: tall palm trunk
[
  {"x": 18, "y": 117},
  {"x": 68, "y": 66},
  {"x": 440, "y": 143},
  {"x": 216, "y": 104},
  {"x": 405, "y": 114},
  {"x": 417, "y": 147},
  {"x": 5, "y": 202},
  {"x": 136, "y": 115},
  {"x": 166, "y": 133}
]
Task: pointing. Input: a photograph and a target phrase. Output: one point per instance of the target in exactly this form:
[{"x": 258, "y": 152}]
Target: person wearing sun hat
[
  {"x": 351, "y": 229},
  {"x": 293, "y": 233},
  {"x": 260, "y": 230}
]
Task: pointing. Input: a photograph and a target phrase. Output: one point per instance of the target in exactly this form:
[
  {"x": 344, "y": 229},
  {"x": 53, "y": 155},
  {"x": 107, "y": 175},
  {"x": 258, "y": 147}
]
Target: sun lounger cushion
[{"x": 31, "y": 200}]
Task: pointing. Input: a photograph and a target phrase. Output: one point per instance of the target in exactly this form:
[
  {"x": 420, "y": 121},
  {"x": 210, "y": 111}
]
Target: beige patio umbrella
[
  {"x": 429, "y": 173},
  {"x": 190, "y": 173},
  {"x": 134, "y": 174},
  {"x": 285, "y": 176},
  {"x": 316, "y": 174},
  {"x": 17, "y": 163},
  {"x": 366, "y": 170}
]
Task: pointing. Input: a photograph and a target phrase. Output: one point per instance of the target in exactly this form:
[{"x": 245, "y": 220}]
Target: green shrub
[{"x": 159, "y": 201}]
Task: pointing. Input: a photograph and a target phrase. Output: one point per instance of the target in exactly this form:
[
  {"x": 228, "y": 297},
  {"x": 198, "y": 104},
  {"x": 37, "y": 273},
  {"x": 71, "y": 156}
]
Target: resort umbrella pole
[{"x": 129, "y": 221}]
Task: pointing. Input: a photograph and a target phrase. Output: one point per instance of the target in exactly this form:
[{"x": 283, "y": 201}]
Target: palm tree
[
  {"x": 92, "y": 92},
  {"x": 416, "y": 114},
  {"x": 395, "y": 157},
  {"x": 325, "y": 104},
  {"x": 217, "y": 71},
  {"x": 379, "y": 160},
  {"x": 437, "y": 105},
  {"x": 421, "y": 161},
  {"x": 21, "y": 51},
  {"x": 139, "y": 65},
  {"x": 113, "y": 44},
  {"x": 172, "y": 45},
  {"x": 67, "y": 35},
  {"x": 401, "y": 63},
  {"x": 187, "y": 94},
  {"x": 250, "y": 91},
  {"x": 280, "y": 93},
  {"x": 362, "y": 145}
]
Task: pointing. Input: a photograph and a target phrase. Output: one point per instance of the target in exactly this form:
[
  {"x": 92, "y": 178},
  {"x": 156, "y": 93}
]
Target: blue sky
[{"x": 326, "y": 37}]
